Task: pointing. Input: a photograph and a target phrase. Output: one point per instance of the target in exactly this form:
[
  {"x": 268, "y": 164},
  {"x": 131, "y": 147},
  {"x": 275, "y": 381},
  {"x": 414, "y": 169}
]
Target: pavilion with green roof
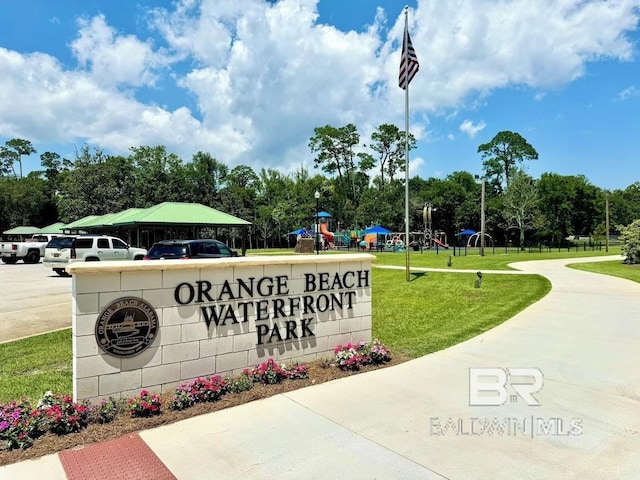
[
  {"x": 167, "y": 220},
  {"x": 53, "y": 229},
  {"x": 28, "y": 230},
  {"x": 22, "y": 232},
  {"x": 78, "y": 225}
]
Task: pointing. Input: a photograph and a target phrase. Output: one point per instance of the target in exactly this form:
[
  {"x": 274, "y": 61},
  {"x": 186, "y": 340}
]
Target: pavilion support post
[{"x": 244, "y": 240}]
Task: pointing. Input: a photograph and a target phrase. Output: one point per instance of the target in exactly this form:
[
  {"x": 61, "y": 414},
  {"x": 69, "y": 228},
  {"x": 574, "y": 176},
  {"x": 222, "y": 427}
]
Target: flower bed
[
  {"x": 354, "y": 356},
  {"x": 21, "y": 424}
]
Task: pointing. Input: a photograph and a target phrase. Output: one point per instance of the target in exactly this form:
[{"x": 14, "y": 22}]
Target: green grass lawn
[
  {"x": 615, "y": 269},
  {"x": 31, "y": 366},
  {"x": 473, "y": 261},
  {"x": 436, "y": 309},
  {"x": 433, "y": 311},
  {"x": 430, "y": 259}
]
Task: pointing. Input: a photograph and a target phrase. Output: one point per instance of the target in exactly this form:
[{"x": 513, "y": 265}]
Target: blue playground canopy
[
  {"x": 377, "y": 229},
  {"x": 466, "y": 232},
  {"x": 300, "y": 231},
  {"x": 324, "y": 215}
]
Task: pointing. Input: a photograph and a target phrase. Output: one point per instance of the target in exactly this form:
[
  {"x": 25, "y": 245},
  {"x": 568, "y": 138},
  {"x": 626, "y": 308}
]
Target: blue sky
[{"x": 249, "y": 80}]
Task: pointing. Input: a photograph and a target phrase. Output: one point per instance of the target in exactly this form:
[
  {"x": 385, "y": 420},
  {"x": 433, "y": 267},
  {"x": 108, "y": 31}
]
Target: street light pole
[
  {"x": 482, "y": 220},
  {"x": 481, "y": 214},
  {"x": 606, "y": 209},
  {"x": 317, "y": 195}
]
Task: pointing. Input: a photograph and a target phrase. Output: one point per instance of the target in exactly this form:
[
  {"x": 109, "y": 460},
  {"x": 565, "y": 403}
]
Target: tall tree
[
  {"x": 502, "y": 154},
  {"x": 240, "y": 192},
  {"x": 54, "y": 168},
  {"x": 238, "y": 197},
  {"x": 520, "y": 203},
  {"x": 624, "y": 205},
  {"x": 263, "y": 223},
  {"x": 54, "y": 165},
  {"x": 205, "y": 177},
  {"x": 588, "y": 207},
  {"x": 22, "y": 201},
  {"x": 388, "y": 143},
  {"x": 12, "y": 152},
  {"x": 160, "y": 176},
  {"x": 97, "y": 184},
  {"x": 336, "y": 156},
  {"x": 275, "y": 200},
  {"x": 556, "y": 205}
]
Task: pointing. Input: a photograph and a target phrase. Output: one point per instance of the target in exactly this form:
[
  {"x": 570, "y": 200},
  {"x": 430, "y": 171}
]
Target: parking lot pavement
[{"x": 33, "y": 300}]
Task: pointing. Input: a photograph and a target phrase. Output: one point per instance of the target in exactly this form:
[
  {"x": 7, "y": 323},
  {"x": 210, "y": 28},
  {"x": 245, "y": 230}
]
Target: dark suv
[{"x": 186, "y": 249}]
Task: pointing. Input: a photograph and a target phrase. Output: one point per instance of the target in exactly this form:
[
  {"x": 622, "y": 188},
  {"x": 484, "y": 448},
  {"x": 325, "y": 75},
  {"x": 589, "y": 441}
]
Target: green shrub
[
  {"x": 241, "y": 383},
  {"x": 630, "y": 242}
]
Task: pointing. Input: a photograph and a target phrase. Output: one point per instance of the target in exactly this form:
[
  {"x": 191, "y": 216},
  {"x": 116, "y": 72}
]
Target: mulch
[{"x": 123, "y": 424}]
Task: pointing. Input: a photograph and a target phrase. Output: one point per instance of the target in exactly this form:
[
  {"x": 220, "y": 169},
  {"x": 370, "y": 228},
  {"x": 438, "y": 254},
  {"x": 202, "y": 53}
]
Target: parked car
[
  {"x": 28, "y": 251},
  {"x": 186, "y": 249},
  {"x": 61, "y": 251}
]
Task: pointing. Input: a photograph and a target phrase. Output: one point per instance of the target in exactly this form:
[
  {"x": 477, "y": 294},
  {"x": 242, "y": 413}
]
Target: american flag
[{"x": 409, "y": 65}]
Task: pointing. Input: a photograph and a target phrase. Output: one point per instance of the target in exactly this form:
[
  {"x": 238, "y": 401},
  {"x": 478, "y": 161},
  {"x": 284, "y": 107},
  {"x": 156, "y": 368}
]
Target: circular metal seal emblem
[{"x": 126, "y": 327}]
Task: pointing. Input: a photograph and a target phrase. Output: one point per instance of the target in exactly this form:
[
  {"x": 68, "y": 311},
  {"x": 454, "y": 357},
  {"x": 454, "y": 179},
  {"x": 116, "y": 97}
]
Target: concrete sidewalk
[{"x": 414, "y": 420}]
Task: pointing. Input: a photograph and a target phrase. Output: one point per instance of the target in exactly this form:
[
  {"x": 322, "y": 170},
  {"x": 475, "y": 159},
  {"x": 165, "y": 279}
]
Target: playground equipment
[
  {"x": 431, "y": 238},
  {"x": 327, "y": 235},
  {"x": 371, "y": 238},
  {"x": 439, "y": 243},
  {"x": 395, "y": 242},
  {"x": 474, "y": 240},
  {"x": 342, "y": 238},
  {"x": 355, "y": 235}
]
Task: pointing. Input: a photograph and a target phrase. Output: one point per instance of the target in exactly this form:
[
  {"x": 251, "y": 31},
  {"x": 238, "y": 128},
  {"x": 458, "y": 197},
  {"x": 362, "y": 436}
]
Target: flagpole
[{"x": 406, "y": 144}]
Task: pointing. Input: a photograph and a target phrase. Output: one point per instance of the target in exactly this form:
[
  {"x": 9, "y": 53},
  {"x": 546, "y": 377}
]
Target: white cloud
[
  {"x": 256, "y": 77},
  {"x": 415, "y": 166},
  {"x": 470, "y": 129},
  {"x": 627, "y": 93},
  {"x": 113, "y": 58},
  {"x": 451, "y": 136},
  {"x": 471, "y": 46}
]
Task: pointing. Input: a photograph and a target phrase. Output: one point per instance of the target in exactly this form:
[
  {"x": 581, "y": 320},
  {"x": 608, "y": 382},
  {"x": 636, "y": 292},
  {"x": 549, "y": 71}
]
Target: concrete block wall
[{"x": 185, "y": 348}]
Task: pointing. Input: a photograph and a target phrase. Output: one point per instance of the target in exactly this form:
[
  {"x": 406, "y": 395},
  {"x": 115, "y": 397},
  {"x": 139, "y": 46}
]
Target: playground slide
[
  {"x": 325, "y": 231},
  {"x": 371, "y": 238},
  {"x": 342, "y": 238},
  {"x": 438, "y": 242}
]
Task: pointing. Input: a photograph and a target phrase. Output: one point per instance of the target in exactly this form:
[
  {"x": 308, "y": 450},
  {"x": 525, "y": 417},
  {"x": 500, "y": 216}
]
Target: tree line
[{"x": 361, "y": 184}]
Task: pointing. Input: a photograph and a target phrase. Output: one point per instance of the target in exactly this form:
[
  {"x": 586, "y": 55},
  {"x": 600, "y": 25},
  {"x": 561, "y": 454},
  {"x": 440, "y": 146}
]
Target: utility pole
[
  {"x": 317, "y": 195},
  {"x": 482, "y": 219},
  {"x": 477, "y": 177},
  {"x": 606, "y": 216}
]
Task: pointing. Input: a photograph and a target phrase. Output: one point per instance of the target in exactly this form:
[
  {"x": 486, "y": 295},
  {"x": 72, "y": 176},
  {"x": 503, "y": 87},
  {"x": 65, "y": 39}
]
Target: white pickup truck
[{"x": 28, "y": 251}]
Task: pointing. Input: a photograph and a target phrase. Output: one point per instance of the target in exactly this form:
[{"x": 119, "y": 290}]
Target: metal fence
[{"x": 540, "y": 248}]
